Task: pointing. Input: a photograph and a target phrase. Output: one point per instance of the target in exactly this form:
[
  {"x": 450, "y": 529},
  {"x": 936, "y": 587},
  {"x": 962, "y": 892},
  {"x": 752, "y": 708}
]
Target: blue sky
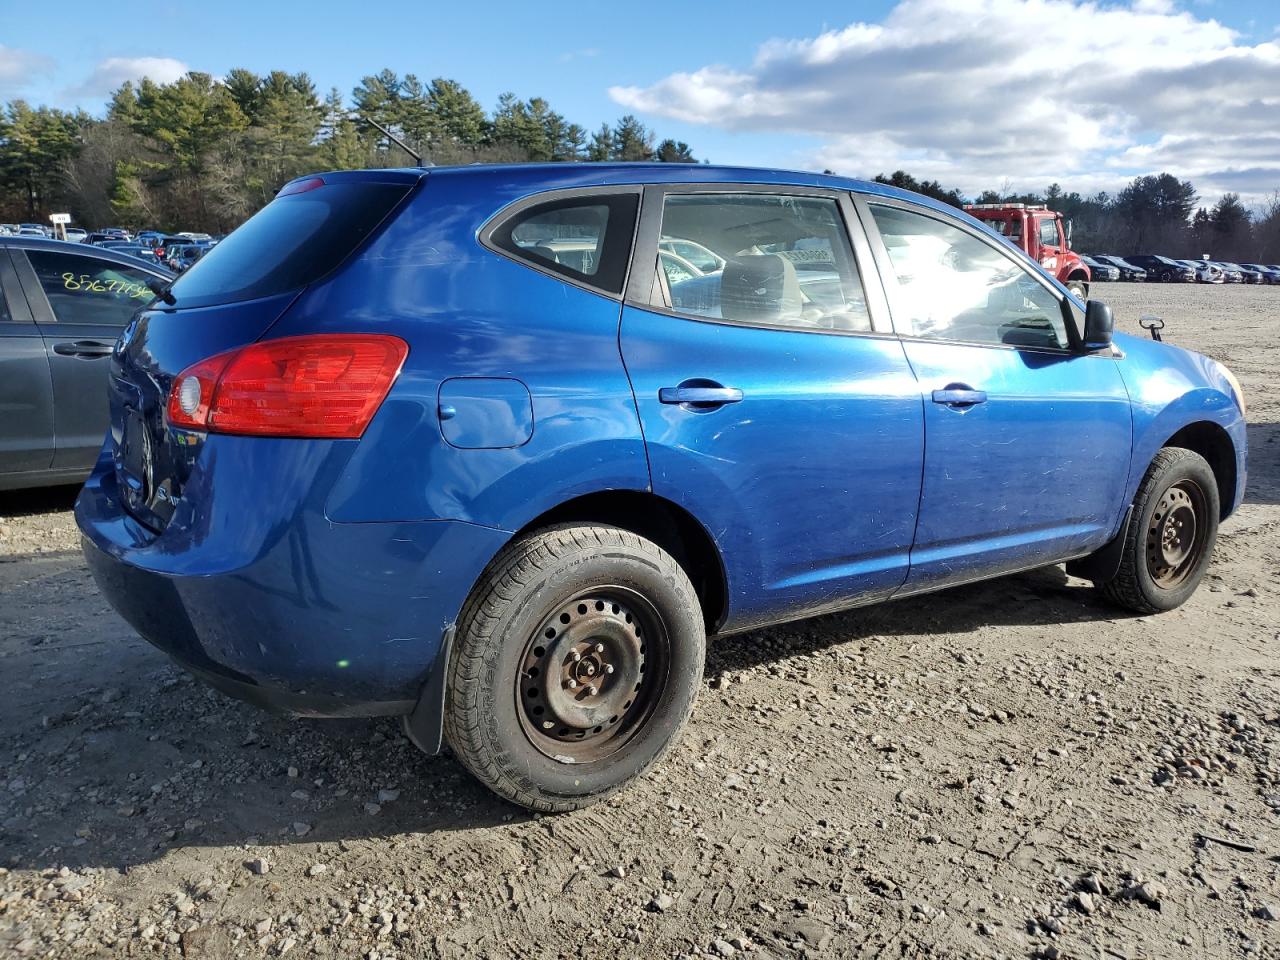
[{"x": 860, "y": 87}]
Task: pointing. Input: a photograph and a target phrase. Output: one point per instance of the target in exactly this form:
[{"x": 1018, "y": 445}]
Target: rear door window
[
  {"x": 758, "y": 258},
  {"x": 291, "y": 242},
  {"x": 84, "y": 289}
]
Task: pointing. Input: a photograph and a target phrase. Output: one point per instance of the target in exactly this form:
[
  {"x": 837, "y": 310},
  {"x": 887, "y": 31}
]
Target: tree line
[
  {"x": 1153, "y": 214},
  {"x": 204, "y": 153}
]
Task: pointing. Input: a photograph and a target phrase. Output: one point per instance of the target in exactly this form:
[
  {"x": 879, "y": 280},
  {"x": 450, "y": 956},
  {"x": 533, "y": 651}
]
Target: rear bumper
[{"x": 269, "y": 601}]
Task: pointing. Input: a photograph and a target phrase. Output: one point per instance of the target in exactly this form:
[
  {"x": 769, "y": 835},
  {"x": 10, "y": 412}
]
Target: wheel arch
[
  {"x": 667, "y": 524},
  {"x": 1212, "y": 442}
]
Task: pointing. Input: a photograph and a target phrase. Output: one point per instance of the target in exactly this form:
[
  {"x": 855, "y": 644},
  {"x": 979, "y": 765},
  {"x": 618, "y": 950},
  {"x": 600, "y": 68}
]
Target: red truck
[{"x": 1042, "y": 234}]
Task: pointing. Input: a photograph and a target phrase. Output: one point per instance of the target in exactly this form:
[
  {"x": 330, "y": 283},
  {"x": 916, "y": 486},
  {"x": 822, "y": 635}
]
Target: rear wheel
[
  {"x": 576, "y": 664},
  {"x": 1171, "y": 534}
]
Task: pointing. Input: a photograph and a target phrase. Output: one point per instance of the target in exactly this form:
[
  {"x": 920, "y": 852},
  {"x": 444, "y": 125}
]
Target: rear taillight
[{"x": 322, "y": 385}]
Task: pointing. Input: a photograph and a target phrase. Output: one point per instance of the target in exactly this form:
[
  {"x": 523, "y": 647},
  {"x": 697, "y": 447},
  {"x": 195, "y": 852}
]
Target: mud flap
[
  {"x": 1104, "y": 563},
  {"x": 425, "y": 725}
]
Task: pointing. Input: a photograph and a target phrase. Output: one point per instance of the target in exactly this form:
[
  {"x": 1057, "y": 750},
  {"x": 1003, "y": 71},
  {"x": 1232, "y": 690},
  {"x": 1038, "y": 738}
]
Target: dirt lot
[{"x": 1010, "y": 769}]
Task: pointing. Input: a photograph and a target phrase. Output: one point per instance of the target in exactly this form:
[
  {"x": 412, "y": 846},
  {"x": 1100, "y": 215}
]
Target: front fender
[{"x": 1171, "y": 388}]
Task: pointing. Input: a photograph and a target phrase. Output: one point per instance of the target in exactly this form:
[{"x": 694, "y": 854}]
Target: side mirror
[
  {"x": 1099, "y": 324},
  {"x": 1068, "y": 231}
]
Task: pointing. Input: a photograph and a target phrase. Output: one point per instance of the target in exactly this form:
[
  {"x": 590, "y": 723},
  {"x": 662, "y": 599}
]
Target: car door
[
  {"x": 81, "y": 304},
  {"x": 1027, "y": 437},
  {"x": 26, "y": 390},
  {"x": 777, "y": 406}
]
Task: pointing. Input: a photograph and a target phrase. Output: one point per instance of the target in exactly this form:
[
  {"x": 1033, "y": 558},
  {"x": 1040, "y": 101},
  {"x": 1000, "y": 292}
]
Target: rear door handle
[
  {"x": 957, "y": 395},
  {"x": 711, "y": 396},
  {"x": 82, "y": 348}
]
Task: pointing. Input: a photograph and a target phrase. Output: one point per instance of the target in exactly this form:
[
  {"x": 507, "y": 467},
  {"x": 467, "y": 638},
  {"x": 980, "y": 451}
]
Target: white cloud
[
  {"x": 110, "y": 73},
  {"x": 19, "y": 67},
  {"x": 974, "y": 92}
]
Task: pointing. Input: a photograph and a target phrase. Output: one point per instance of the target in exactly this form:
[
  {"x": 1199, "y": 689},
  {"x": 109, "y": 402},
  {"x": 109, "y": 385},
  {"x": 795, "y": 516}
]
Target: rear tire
[
  {"x": 1171, "y": 534},
  {"x": 577, "y": 661}
]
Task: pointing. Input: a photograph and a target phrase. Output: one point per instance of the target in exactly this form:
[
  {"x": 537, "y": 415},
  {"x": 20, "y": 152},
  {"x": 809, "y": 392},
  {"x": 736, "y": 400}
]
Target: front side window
[
  {"x": 760, "y": 259},
  {"x": 953, "y": 286},
  {"x": 88, "y": 290},
  {"x": 585, "y": 238},
  {"x": 1049, "y": 232}
]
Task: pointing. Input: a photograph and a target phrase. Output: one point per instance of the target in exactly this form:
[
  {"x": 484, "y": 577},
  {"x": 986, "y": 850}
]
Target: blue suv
[{"x": 495, "y": 448}]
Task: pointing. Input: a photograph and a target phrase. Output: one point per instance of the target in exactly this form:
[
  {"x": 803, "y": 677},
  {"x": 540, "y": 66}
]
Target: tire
[
  {"x": 1166, "y": 276},
  {"x": 1079, "y": 288},
  {"x": 1179, "y": 489},
  {"x": 594, "y": 608}
]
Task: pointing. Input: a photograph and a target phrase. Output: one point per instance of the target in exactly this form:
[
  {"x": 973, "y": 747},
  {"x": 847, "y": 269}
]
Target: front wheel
[
  {"x": 576, "y": 663},
  {"x": 1171, "y": 534},
  {"x": 1079, "y": 288}
]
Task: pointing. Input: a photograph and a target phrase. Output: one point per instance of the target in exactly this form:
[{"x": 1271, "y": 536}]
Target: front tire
[
  {"x": 1171, "y": 534},
  {"x": 576, "y": 663}
]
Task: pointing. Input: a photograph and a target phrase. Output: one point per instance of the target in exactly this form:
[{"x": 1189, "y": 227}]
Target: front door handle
[
  {"x": 82, "y": 348},
  {"x": 707, "y": 396},
  {"x": 959, "y": 395}
]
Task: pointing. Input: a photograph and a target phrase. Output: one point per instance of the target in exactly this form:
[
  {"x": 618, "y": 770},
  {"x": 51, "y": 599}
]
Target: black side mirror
[{"x": 1099, "y": 324}]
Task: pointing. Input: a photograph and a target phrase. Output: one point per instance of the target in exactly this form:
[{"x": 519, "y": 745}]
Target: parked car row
[{"x": 1141, "y": 266}]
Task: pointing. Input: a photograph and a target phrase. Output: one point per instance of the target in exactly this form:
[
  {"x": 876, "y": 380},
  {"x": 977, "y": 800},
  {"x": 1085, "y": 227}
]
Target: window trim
[
  {"x": 500, "y": 218},
  {"x": 644, "y": 273},
  {"x": 11, "y": 290},
  {"x": 42, "y": 310},
  {"x": 1075, "y": 344}
]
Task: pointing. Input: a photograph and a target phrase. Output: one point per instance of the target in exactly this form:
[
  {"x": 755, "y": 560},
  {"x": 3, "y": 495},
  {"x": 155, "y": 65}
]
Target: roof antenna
[{"x": 417, "y": 157}]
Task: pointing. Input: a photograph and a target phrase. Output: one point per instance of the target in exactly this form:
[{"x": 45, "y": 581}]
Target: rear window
[{"x": 289, "y": 243}]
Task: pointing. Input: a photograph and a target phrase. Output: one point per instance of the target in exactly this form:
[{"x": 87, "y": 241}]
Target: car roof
[
  {"x": 102, "y": 253},
  {"x": 536, "y": 177}
]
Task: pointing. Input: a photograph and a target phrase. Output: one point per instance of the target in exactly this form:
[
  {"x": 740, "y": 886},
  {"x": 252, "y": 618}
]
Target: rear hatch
[{"x": 230, "y": 297}]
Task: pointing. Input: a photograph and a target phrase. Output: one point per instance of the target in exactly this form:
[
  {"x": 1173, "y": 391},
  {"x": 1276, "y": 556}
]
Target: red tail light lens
[{"x": 324, "y": 385}]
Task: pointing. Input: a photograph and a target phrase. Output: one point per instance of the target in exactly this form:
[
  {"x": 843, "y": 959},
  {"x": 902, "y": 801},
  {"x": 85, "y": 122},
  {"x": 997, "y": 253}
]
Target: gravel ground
[{"x": 1009, "y": 769}]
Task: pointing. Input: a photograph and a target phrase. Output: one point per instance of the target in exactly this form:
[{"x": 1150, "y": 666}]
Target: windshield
[{"x": 289, "y": 243}]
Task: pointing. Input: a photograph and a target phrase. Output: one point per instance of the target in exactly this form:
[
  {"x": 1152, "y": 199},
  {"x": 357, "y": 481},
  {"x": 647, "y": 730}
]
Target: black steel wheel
[
  {"x": 1175, "y": 539},
  {"x": 576, "y": 663},
  {"x": 592, "y": 673},
  {"x": 1172, "y": 530}
]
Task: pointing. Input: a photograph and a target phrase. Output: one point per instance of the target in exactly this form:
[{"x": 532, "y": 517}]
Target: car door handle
[
  {"x": 957, "y": 395},
  {"x": 82, "y": 348},
  {"x": 711, "y": 396}
]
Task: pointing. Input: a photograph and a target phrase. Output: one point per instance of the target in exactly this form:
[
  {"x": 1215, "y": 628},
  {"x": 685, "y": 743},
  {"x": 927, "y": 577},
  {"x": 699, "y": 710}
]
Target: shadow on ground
[{"x": 119, "y": 756}]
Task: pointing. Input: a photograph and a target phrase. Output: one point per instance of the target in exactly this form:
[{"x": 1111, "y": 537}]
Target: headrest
[{"x": 760, "y": 287}]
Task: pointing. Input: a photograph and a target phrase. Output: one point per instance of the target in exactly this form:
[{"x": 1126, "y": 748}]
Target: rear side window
[
  {"x": 587, "y": 238},
  {"x": 88, "y": 290},
  {"x": 289, "y": 243}
]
